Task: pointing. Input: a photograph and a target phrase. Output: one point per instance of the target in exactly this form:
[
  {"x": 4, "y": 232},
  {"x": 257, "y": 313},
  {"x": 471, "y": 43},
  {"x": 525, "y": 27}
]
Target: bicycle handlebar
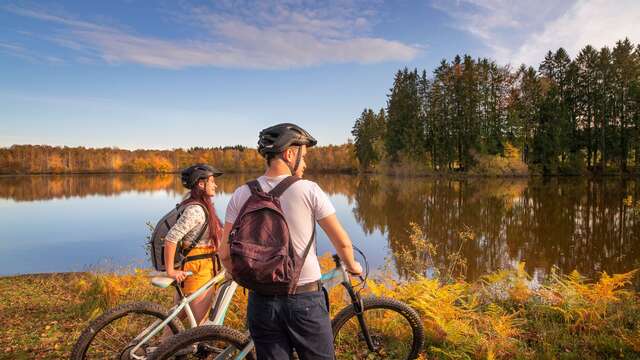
[{"x": 362, "y": 278}]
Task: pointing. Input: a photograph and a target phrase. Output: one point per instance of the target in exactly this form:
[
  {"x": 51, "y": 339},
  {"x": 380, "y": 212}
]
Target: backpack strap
[
  {"x": 304, "y": 258},
  {"x": 193, "y": 244},
  {"x": 206, "y": 221},
  {"x": 306, "y": 250},
  {"x": 277, "y": 191},
  {"x": 254, "y": 186},
  {"x": 283, "y": 185}
]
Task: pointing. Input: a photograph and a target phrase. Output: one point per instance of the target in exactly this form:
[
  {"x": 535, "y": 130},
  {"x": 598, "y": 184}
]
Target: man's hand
[{"x": 354, "y": 269}]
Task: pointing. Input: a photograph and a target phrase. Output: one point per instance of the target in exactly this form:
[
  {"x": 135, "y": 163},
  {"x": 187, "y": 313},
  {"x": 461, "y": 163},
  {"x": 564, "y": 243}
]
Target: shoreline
[
  {"x": 438, "y": 175},
  {"x": 45, "y": 313}
]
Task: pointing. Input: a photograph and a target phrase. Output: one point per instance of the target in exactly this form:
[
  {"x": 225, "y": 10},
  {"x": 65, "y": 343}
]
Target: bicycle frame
[
  {"x": 330, "y": 279},
  {"x": 339, "y": 275},
  {"x": 223, "y": 297}
]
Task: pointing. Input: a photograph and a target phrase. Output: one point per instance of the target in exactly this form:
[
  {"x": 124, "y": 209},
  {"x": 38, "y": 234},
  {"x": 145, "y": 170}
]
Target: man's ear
[{"x": 289, "y": 154}]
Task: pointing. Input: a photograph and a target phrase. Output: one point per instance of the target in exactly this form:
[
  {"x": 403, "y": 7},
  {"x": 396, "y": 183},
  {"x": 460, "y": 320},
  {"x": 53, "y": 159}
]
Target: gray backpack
[{"x": 156, "y": 243}]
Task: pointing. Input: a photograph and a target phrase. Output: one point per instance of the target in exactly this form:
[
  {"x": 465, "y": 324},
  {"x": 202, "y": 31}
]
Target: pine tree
[
  {"x": 405, "y": 131},
  {"x": 439, "y": 117},
  {"x": 626, "y": 72},
  {"x": 525, "y": 108},
  {"x": 470, "y": 101},
  {"x": 368, "y": 132},
  {"x": 604, "y": 101},
  {"x": 587, "y": 61},
  {"x": 634, "y": 94}
]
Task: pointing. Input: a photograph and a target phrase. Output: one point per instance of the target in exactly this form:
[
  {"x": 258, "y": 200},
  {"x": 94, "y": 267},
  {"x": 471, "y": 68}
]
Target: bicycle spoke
[
  {"x": 120, "y": 334},
  {"x": 112, "y": 334},
  {"x": 213, "y": 342},
  {"x": 390, "y": 334},
  {"x": 214, "y": 350},
  {"x": 110, "y": 348}
]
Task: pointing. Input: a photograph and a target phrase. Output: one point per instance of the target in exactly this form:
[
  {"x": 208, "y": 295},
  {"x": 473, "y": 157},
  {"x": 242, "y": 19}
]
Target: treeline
[
  {"x": 569, "y": 116},
  {"x": 43, "y": 159}
]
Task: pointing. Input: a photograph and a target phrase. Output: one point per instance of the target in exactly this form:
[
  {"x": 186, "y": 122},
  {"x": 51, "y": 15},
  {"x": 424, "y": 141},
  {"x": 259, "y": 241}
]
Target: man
[{"x": 280, "y": 323}]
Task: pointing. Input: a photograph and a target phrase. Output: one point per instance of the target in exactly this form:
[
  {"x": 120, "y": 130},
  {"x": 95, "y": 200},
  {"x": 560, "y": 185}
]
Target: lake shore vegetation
[
  {"x": 504, "y": 315},
  {"x": 567, "y": 117}
]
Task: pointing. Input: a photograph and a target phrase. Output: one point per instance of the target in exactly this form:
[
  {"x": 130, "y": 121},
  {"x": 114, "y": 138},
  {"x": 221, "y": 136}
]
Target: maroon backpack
[{"x": 262, "y": 255}]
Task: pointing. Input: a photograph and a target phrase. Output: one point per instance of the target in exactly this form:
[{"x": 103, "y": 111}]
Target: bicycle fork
[{"x": 359, "y": 310}]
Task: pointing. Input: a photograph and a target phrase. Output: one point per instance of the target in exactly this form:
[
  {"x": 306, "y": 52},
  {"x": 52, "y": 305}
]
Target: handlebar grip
[{"x": 353, "y": 274}]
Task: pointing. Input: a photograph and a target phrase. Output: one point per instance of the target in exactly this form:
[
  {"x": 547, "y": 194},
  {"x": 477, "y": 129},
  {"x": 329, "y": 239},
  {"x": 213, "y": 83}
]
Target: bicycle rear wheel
[
  {"x": 114, "y": 334},
  {"x": 204, "y": 342},
  {"x": 395, "y": 329}
]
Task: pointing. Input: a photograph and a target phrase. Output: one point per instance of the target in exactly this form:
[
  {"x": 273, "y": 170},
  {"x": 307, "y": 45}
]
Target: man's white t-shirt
[{"x": 303, "y": 203}]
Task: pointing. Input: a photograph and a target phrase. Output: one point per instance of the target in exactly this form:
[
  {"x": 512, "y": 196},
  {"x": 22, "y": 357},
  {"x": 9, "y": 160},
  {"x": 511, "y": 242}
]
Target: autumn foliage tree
[{"x": 42, "y": 159}]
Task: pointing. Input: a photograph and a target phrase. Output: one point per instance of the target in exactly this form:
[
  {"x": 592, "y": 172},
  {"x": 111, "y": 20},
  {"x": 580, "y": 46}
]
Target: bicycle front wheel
[
  {"x": 116, "y": 332},
  {"x": 204, "y": 342},
  {"x": 395, "y": 329}
]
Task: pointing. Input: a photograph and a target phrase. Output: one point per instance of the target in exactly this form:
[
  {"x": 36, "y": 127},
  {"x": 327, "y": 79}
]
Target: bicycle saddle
[
  {"x": 162, "y": 281},
  {"x": 165, "y": 281}
]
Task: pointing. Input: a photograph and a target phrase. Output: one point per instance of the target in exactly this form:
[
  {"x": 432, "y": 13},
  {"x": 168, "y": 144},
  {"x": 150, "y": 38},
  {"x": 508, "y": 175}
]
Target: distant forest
[
  {"x": 569, "y": 116},
  {"x": 42, "y": 159}
]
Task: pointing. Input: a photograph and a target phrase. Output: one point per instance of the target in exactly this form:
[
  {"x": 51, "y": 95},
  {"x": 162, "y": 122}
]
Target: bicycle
[
  {"x": 369, "y": 328},
  {"x": 131, "y": 331}
]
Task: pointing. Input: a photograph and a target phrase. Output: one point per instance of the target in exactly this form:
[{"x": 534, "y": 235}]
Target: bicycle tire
[
  {"x": 390, "y": 307},
  {"x": 98, "y": 325},
  {"x": 206, "y": 333}
]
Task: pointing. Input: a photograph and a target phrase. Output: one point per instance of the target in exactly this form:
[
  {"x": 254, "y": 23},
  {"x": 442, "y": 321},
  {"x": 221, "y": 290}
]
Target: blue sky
[{"x": 167, "y": 74}]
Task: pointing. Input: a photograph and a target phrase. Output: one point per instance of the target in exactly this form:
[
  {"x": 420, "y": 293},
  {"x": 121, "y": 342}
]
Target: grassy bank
[{"x": 502, "y": 316}]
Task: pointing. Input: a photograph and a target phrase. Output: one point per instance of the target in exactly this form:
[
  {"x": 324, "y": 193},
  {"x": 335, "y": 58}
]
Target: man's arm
[
  {"x": 341, "y": 242},
  {"x": 223, "y": 251}
]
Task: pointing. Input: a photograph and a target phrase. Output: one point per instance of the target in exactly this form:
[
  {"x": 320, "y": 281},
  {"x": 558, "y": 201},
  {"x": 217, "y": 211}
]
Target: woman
[{"x": 199, "y": 214}]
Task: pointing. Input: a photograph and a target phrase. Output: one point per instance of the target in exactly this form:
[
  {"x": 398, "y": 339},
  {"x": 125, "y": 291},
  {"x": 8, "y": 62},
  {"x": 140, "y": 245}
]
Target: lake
[{"x": 84, "y": 222}]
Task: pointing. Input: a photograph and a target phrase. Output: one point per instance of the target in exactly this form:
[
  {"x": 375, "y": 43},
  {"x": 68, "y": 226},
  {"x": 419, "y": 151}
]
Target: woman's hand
[{"x": 178, "y": 275}]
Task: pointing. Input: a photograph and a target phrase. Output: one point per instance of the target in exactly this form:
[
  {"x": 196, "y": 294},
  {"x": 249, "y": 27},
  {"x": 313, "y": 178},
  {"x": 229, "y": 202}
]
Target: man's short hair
[{"x": 271, "y": 156}]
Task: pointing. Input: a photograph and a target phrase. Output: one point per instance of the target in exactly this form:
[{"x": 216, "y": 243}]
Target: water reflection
[
  {"x": 47, "y": 187},
  {"x": 31, "y": 188},
  {"x": 572, "y": 223}
]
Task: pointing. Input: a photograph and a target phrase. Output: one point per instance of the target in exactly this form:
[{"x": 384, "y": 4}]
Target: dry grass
[{"x": 38, "y": 316}]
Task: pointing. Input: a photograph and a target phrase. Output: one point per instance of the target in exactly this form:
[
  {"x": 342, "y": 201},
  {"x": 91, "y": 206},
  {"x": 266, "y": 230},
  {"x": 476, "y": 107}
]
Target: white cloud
[
  {"x": 250, "y": 35},
  {"x": 598, "y": 23},
  {"x": 523, "y": 31},
  {"x": 24, "y": 53},
  {"x": 11, "y": 47}
]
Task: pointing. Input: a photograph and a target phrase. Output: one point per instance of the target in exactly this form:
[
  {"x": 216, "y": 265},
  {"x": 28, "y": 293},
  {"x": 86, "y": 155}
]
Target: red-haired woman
[{"x": 199, "y": 217}]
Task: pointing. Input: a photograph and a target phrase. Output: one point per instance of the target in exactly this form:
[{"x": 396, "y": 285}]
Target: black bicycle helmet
[
  {"x": 192, "y": 174},
  {"x": 277, "y": 138}
]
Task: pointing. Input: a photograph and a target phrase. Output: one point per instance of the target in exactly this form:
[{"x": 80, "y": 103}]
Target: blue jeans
[{"x": 279, "y": 324}]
